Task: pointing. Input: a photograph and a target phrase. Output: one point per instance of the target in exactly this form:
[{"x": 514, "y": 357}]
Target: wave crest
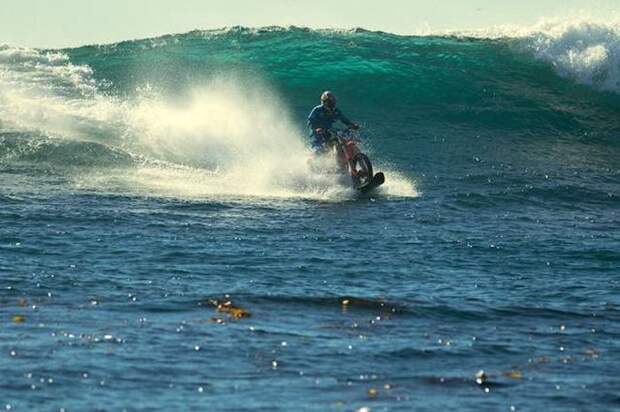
[
  {"x": 586, "y": 52},
  {"x": 583, "y": 49}
]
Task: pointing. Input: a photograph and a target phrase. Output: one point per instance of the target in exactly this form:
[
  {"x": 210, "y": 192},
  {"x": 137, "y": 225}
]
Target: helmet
[{"x": 328, "y": 99}]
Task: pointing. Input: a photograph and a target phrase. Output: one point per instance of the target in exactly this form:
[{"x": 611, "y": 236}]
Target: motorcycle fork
[{"x": 341, "y": 157}]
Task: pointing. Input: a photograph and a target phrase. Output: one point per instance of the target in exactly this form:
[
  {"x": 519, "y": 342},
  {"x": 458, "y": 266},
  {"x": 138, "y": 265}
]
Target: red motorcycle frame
[{"x": 350, "y": 159}]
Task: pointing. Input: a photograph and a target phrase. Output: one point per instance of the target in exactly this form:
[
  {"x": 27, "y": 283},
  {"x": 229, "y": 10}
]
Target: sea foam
[{"x": 584, "y": 49}]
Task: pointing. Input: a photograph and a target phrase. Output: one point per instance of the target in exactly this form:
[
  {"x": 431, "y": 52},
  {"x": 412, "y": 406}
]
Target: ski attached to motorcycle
[{"x": 376, "y": 181}]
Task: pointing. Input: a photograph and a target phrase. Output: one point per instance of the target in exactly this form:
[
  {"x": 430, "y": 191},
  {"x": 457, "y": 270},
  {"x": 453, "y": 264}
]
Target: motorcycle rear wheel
[{"x": 361, "y": 170}]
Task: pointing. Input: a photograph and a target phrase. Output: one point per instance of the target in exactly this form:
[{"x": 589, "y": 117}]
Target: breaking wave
[{"x": 212, "y": 113}]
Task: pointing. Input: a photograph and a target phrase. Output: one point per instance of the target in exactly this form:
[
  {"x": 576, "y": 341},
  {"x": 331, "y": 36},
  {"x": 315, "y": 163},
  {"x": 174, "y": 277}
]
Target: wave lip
[
  {"x": 586, "y": 52},
  {"x": 583, "y": 49}
]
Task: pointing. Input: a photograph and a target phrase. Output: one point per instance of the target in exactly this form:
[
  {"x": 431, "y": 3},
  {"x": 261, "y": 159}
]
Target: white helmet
[{"x": 328, "y": 99}]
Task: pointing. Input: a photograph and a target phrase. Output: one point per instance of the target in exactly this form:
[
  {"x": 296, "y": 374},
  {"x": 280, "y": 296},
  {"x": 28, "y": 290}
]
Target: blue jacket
[{"x": 322, "y": 118}]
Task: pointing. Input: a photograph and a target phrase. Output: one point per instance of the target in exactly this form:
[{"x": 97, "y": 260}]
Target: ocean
[{"x": 164, "y": 244}]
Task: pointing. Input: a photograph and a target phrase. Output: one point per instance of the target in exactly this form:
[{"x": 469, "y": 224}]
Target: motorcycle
[{"x": 351, "y": 161}]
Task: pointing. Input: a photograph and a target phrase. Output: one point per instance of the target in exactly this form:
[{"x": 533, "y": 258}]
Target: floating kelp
[
  {"x": 513, "y": 374},
  {"x": 18, "y": 319},
  {"x": 228, "y": 307}
]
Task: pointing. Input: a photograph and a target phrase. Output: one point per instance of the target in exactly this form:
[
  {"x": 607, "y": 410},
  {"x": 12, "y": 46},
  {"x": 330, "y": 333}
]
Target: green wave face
[{"x": 426, "y": 84}]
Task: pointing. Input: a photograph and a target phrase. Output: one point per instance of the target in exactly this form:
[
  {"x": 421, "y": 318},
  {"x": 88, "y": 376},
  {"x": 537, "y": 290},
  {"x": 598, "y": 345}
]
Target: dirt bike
[{"x": 351, "y": 161}]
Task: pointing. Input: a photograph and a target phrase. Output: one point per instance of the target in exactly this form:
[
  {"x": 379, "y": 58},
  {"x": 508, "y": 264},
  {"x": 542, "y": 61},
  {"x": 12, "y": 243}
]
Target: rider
[{"x": 323, "y": 117}]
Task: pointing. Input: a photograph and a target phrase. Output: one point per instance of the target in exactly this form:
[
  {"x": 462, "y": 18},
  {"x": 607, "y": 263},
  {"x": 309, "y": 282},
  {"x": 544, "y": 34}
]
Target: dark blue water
[{"x": 169, "y": 249}]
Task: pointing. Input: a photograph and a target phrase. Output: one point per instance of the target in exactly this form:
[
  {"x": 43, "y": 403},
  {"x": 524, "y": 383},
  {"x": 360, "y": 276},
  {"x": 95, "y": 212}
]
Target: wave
[{"x": 217, "y": 113}]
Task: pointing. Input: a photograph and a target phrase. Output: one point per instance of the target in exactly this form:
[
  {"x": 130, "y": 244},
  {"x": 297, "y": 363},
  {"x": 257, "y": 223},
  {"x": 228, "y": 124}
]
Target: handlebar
[{"x": 344, "y": 133}]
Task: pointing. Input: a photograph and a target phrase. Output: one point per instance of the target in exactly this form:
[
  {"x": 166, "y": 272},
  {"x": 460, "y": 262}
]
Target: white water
[{"x": 584, "y": 49}]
